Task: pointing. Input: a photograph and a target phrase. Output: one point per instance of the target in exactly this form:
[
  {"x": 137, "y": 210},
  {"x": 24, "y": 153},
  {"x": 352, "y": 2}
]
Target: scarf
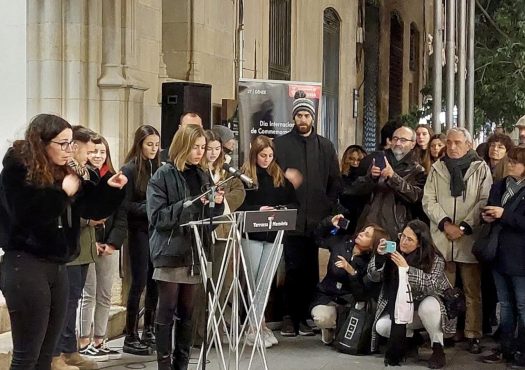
[
  {"x": 457, "y": 168},
  {"x": 512, "y": 187},
  {"x": 80, "y": 170}
]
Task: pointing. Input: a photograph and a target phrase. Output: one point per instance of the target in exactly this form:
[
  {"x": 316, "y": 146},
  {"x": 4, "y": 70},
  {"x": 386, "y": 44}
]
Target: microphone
[{"x": 237, "y": 173}]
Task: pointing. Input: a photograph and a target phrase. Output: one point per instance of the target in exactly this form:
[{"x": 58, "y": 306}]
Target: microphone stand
[{"x": 210, "y": 193}]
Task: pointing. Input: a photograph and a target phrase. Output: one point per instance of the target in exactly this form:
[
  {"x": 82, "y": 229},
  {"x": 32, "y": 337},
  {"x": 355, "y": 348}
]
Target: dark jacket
[
  {"x": 352, "y": 203},
  {"x": 135, "y": 201},
  {"x": 338, "y": 283},
  {"x": 510, "y": 258},
  {"x": 315, "y": 157},
  {"x": 44, "y": 221},
  {"x": 268, "y": 195},
  {"x": 392, "y": 202},
  {"x": 172, "y": 245}
]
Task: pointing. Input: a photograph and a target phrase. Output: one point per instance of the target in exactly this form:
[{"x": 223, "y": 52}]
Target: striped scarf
[
  {"x": 512, "y": 187},
  {"x": 81, "y": 171}
]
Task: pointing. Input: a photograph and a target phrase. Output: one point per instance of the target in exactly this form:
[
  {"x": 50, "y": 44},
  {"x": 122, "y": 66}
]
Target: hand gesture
[
  {"x": 452, "y": 231},
  {"x": 335, "y": 220},
  {"x": 374, "y": 170},
  {"x": 343, "y": 264},
  {"x": 398, "y": 259},
  {"x": 388, "y": 171},
  {"x": 96, "y": 222},
  {"x": 219, "y": 196},
  {"x": 493, "y": 211},
  {"x": 118, "y": 180},
  {"x": 266, "y": 208},
  {"x": 70, "y": 184},
  {"x": 294, "y": 176}
]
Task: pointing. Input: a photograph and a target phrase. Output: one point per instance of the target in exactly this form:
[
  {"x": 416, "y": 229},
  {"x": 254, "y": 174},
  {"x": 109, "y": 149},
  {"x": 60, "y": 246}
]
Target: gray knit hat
[
  {"x": 223, "y": 132},
  {"x": 301, "y": 102}
]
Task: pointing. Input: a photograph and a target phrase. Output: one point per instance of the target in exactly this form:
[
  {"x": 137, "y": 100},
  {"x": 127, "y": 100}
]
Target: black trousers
[
  {"x": 68, "y": 339},
  {"x": 141, "y": 277},
  {"x": 36, "y": 293},
  {"x": 301, "y": 260}
]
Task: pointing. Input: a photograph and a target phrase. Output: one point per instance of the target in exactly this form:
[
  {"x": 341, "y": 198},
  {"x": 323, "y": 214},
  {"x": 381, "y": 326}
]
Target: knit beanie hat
[
  {"x": 301, "y": 102},
  {"x": 223, "y": 132}
]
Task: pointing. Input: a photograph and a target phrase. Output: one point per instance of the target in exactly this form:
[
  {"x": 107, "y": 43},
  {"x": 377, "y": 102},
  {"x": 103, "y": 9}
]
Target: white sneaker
[
  {"x": 327, "y": 336},
  {"x": 250, "y": 339},
  {"x": 112, "y": 354},
  {"x": 93, "y": 354},
  {"x": 268, "y": 335}
]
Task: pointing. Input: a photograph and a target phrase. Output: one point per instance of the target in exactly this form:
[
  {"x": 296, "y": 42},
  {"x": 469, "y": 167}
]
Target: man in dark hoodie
[{"x": 310, "y": 163}]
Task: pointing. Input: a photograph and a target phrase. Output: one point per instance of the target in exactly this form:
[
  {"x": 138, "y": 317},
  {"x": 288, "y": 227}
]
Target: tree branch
[{"x": 491, "y": 21}]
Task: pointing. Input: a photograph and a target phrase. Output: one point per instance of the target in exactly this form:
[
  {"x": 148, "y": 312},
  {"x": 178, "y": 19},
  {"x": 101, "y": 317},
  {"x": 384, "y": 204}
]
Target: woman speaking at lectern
[{"x": 173, "y": 249}]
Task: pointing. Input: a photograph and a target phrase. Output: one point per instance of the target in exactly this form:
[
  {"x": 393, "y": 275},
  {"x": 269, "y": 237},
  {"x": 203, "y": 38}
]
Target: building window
[
  {"x": 414, "y": 48},
  {"x": 280, "y": 39},
  {"x": 395, "y": 88},
  {"x": 330, "y": 110}
]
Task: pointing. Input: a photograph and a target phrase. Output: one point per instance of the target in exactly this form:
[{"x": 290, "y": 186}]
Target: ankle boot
[
  {"x": 164, "y": 347},
  {"x": 437, "y": 360},
  {"x": 183, "y": 337},
  {"x": 132, "y": 343}
]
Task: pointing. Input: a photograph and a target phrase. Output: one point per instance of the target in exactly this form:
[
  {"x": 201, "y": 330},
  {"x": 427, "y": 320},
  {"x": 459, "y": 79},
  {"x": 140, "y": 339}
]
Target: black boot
[
  {"x": 132, "y": 343},
  {"x": 164, "y": 347},
  {"x": 437, "y": 360},
  {"x": 183, "y": 338},
  {"x": 148, "y": 334}
]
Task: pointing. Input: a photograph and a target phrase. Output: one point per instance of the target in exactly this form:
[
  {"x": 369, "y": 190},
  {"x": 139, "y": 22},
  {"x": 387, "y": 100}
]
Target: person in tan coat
[{"x": 456, "y": 190}]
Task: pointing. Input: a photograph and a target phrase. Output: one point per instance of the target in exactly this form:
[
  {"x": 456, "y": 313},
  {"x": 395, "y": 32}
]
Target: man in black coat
[{"x": 310, "y": 163}]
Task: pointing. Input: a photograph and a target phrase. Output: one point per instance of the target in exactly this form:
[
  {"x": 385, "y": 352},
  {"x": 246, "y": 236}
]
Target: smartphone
[
  {"x": 390, "y": 246},
  {"x": 380, "y": 159},
  {"x": 343, "y": 223}
]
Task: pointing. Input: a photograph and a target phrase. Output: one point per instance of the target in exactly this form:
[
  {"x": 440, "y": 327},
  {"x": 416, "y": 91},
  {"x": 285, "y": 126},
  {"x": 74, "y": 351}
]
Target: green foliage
[{"x": 500, "y": 62}]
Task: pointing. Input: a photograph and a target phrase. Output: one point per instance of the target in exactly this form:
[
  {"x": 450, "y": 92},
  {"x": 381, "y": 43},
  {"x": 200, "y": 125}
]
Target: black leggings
[
  {"x": 175, "y": 300},
  {"x": 36, "y": 293},
  {"x": 141, "y": 276}
]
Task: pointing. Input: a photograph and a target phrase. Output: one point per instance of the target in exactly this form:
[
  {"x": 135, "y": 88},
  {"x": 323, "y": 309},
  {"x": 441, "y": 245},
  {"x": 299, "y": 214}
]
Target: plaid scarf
[
  {"x": 512, "y": 187},
  {"x": 81, "y": 171}
]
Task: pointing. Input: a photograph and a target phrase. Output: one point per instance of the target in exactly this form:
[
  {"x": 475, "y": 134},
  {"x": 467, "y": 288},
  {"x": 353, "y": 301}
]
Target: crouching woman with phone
[{"x": 418, "y": 257}]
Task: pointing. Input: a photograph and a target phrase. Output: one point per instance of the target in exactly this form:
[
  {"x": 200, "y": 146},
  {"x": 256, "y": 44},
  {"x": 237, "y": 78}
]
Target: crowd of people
[{"x": 65, "y": 212}]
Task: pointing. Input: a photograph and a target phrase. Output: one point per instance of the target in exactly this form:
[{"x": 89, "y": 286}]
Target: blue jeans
[{"x": 511, "y": 295}]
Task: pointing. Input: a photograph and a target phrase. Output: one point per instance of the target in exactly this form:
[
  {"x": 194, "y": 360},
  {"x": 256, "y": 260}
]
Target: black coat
[
  {"x": 315, "y": 157},
  {"x": 510, "y": 258},
  {"x": 268, "y": 195},
  {"x": 44, "y": 221},
  {"x": 172, "y": 245},
  {"x": 392, "y": 202},
  {"x": 338, "y": 283},
  {"x": 135, "y": 201}
]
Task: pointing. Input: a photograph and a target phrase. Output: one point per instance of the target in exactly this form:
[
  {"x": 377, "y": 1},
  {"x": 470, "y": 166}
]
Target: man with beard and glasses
[
  {"x": 394, "y": 181},
  {"x": 456, "y": 191}
]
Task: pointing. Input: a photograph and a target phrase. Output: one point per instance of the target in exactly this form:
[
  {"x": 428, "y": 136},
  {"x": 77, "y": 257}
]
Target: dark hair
[
  {"x": 427, "y": 127},
  {"x": 108, "y": 161},
  {"x": 32, "y": 151},
  {"x": 426, "y": 247},
  {"x": 219, "y": 162},
  {"x": 517, "y": 154},
  {"x": 135, "y": 154},
  {"x": 85, "y": 135},
  {"x": 345, "y": 169},
  {"x": 387, "y": 131},
  {"x": 501, "y": 138}
]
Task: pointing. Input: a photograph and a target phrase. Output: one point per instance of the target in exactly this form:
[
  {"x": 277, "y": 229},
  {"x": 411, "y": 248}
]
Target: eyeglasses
[
  {"x": 403, "y": 236},
  {"x": 402, "y": 140},
  {"x": 65, "y": 145}
]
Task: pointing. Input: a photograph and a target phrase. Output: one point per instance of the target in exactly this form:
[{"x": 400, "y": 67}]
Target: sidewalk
[{"x": 308, "y": 353}]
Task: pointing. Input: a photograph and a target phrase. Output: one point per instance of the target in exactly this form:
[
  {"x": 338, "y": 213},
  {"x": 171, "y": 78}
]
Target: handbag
[
  {"x": 454, "y": 302},
  {"x": 404, "y": 306},
  {"x": 485, "y": 247},
  {"x": 354, "y": 329}
]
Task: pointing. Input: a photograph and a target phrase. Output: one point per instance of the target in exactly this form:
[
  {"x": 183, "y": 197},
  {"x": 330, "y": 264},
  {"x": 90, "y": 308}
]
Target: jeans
[
  {"x": 68, "y": 340},
  {"x": 96, "y": 298},
  {"x": 36, "y": 293},
  {"x": 511, "y": 296}
]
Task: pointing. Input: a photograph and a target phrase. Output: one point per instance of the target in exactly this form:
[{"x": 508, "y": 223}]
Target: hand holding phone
[
  {"x": 390, "y": 246},
  {"x": 343, "y": 223}
]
